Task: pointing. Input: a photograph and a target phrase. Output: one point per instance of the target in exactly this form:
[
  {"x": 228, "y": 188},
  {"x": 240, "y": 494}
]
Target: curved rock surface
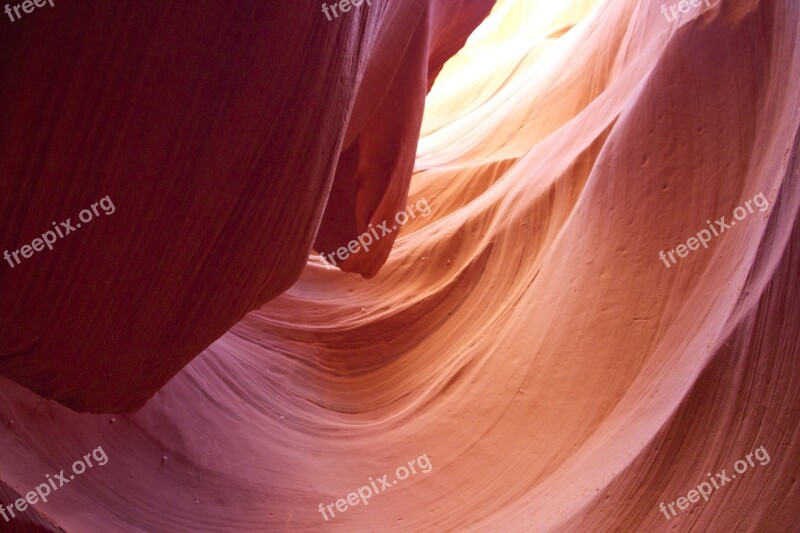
[
  {"x": 215, "y": 130},
  {"x": 526, "y": 335}
]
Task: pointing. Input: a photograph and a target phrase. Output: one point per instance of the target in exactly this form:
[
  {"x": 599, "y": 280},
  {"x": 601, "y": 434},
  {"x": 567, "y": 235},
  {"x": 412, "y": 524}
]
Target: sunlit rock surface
[{"x": 525, "y": 335}]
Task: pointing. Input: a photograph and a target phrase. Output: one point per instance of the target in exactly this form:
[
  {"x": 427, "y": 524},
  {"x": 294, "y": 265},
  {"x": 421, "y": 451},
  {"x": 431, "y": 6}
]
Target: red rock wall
[
  {"x": 525, "y": 336},
  {"x": 215, "y": 129}
]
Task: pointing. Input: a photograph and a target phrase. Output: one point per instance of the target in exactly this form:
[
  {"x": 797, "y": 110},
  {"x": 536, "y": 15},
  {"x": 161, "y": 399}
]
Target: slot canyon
[{"x": 400, "y": 265}]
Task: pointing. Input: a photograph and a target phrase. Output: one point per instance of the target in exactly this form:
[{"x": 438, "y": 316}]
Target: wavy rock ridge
[{"x": 525, "y": 336}]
